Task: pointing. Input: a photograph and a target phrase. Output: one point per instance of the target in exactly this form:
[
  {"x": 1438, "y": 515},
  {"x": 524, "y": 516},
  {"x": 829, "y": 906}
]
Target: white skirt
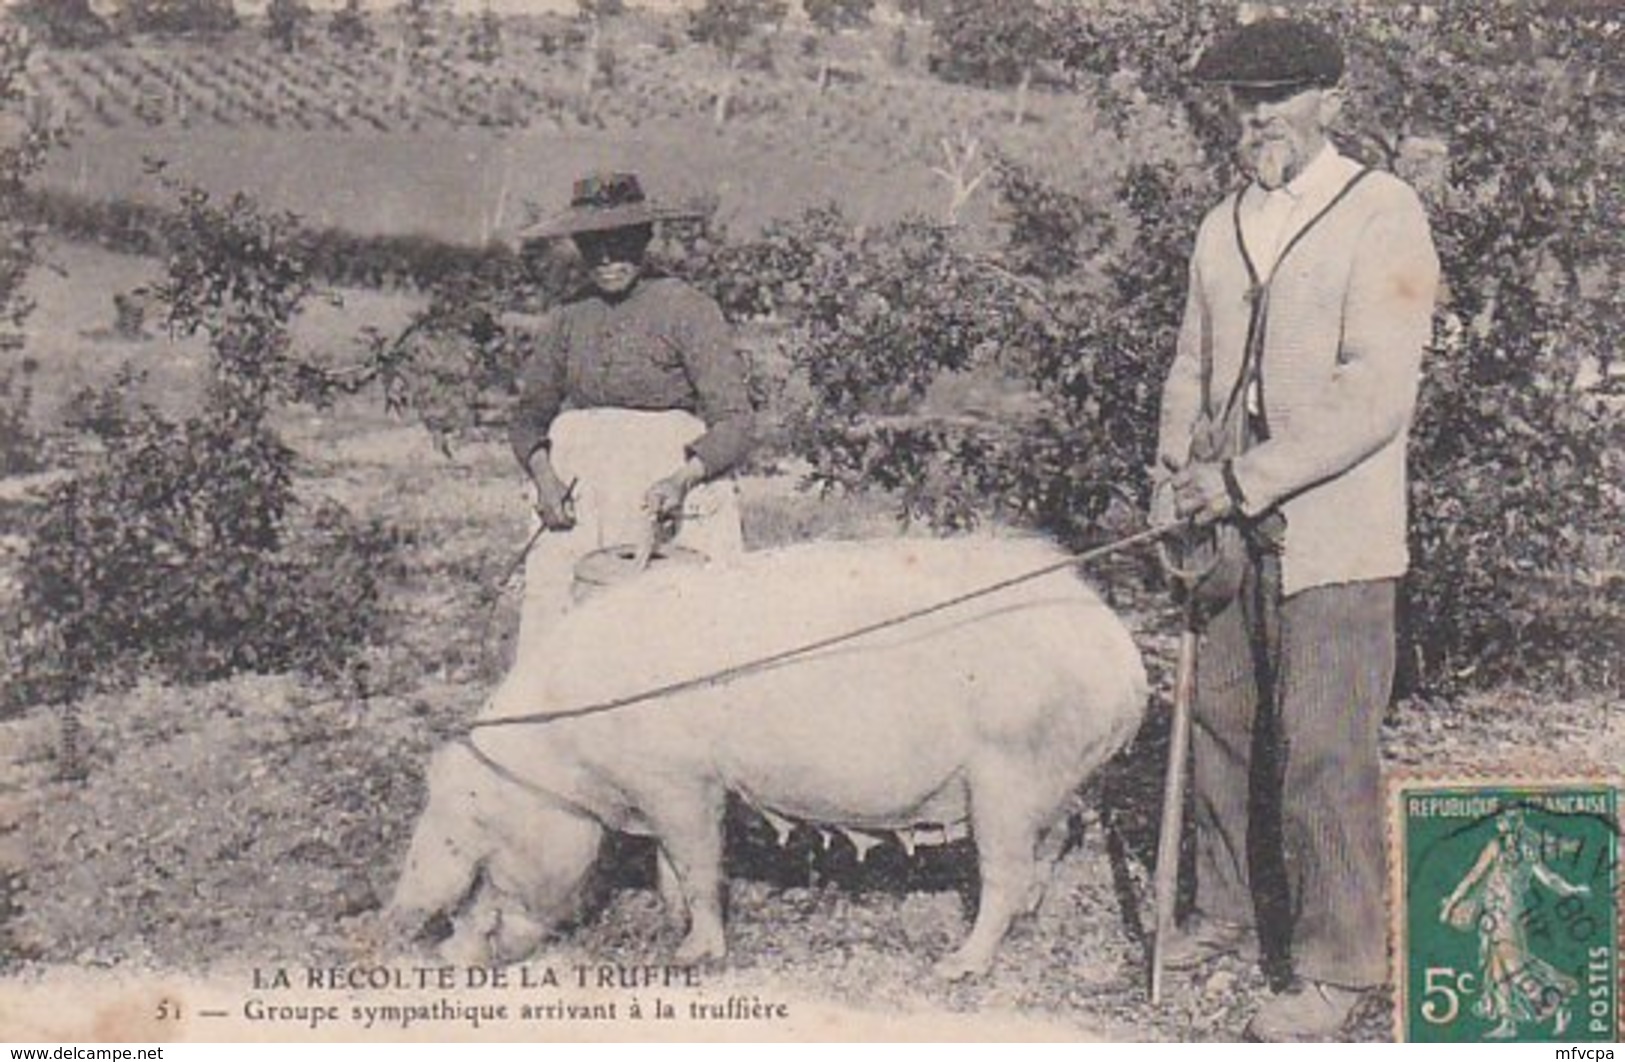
[{"x": 613, "y": 456}]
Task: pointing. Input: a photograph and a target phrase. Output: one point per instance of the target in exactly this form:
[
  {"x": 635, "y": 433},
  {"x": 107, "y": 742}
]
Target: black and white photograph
[{"x": 785, "y": 520}]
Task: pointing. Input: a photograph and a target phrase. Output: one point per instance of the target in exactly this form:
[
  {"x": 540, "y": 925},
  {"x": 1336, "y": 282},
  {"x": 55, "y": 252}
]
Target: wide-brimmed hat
[
  {"x": 603, "y": 202},
  {"x": 1273, "y": 53}
]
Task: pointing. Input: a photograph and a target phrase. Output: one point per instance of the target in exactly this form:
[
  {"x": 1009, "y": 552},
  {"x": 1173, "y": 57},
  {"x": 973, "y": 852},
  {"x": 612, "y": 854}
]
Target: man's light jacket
[{"x": 1350, "y": 311}]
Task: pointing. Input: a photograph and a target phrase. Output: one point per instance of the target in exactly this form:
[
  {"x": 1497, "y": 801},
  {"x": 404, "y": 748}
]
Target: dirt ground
[{"x": 263, "y": 819}]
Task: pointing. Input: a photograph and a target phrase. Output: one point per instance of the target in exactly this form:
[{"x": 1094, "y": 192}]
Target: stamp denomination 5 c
[{"x": 1507, "y": 911}]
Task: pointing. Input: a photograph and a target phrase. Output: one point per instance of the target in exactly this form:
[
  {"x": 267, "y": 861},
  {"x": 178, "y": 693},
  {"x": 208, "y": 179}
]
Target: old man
[{"x": 1283, "y": 430}]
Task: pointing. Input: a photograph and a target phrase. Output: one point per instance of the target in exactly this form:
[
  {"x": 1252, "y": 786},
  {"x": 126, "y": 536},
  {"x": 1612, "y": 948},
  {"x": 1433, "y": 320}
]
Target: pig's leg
[
  {"x": 671, "y": 890},
  {"x": 1053, "y": 843},
  {"x": 690, "y": 829},
  {"x": 473, "y": 929},
  {"x": 1005, "y": 823},
  {"x": 516, "y": 934}
]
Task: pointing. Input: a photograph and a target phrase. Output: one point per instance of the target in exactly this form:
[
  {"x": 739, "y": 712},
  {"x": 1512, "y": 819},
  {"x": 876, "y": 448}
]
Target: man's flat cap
[{"x": 1273, "y": 53}]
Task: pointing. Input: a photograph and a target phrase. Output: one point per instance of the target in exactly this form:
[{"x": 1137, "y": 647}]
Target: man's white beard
[{"x": 1273, "y": 163}]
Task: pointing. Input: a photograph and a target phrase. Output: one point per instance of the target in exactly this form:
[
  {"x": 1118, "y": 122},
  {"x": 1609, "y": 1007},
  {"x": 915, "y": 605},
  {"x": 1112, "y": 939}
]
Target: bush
[
  {"x": 21, "y": 448},
  {"x": 458, "y": 358},
  {"x": 832, "y": 15},
  {"x": 63, "y": 23},
  {"x": 728, "y": 24},
  {"x": 178, "y": 17},
  {"x": 484, "y": 39},
  {"x": 1517, "y": 507},
  {"x": 936, "y": 373},
  {"x": 287, "y": 23},
  {"x": 331, "y": 255},
  {"x": 180, "y": 552},
  {"x": 1516, "y": 499},
  {"x": 179, "y": 547},
  {"x": 418, "y": 19},
  {"x": 992, "y": 44},
  {"x": 348, "y": 27},
  {"x": 22, "y": 146}
]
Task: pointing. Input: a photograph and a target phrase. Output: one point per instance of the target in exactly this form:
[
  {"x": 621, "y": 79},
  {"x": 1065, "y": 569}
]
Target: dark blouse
[{"x": 664, "y": 346}]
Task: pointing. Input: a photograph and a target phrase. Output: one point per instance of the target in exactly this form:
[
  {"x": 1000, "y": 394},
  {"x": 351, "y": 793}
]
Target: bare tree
[
  {"x": 961, "y": 171},
  {"x": 594, "y": 13},
  {"x": 727, "y": 25},
  {"x": 832, "y": 16}
]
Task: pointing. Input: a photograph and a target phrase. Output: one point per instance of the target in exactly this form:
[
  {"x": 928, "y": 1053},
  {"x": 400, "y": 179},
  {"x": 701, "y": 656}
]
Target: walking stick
[{"x": 1166, "y": 879}]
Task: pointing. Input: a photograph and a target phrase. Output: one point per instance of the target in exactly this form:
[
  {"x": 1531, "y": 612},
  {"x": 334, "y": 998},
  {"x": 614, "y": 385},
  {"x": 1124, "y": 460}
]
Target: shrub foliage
[
  {"x": 178, "y": 17},
  {"x": 287, "y": 22},
  {"x": 1504, "y": 118},
  {"x": 22, "y": 145},
  {"x": 1017, "y": 377},
  {"x": 63, "y": 23},
  {"x": 182, "y": 547},
  {"x": 348, "y": 27}
]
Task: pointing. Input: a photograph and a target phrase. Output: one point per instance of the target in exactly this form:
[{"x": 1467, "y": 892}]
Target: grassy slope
[{"x": 446, "y": 184}]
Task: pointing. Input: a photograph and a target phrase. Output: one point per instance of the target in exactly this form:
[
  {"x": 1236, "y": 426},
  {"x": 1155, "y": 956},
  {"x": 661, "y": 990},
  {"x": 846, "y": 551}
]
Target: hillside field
[{"x": 286, "y": 130}]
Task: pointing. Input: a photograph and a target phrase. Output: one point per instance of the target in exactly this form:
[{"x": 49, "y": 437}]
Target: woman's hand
[
  {"x": 554, "y": 504},
  {"x": 664, "y": 498}
]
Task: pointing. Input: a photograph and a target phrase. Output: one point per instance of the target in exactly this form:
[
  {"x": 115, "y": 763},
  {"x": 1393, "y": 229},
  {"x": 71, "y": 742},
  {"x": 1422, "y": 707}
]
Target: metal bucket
[{"x": 603, "y": 568}]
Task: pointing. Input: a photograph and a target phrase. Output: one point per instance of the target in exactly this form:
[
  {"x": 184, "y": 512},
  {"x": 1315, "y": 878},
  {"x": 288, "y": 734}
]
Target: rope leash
[
  {"x": 749, "y": 667},
  {"x": 512, "y": 778}
]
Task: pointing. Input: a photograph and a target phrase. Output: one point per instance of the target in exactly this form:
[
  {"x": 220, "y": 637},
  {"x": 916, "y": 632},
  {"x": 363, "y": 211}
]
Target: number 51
[{"x": 1445, "y": 982}]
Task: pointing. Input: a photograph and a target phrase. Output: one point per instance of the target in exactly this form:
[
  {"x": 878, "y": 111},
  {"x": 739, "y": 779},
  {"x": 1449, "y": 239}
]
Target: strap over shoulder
[
  {"x": 1258, "y": 288},
  {"x": 1297, "y": 237}
]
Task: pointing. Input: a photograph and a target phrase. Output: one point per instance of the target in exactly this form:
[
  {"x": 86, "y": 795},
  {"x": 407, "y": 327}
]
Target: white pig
[{"x": 990, "y": 712}]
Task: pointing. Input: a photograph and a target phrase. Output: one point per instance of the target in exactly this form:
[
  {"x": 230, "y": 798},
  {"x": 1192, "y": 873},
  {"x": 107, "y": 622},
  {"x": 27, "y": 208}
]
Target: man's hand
[
  {"x": 1200, "y": 494},
  {"x": 664, "y": 498},
  {"x": 553, "y": 501}
]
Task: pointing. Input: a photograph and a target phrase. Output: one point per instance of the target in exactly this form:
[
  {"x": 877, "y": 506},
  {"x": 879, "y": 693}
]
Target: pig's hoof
[
  {"x": 696, "y": 949},
  {"x": 959, "y": 966},
  {"x": 469, "y": 945}
]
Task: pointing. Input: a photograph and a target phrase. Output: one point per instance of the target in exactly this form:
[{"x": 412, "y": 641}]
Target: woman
[{"x": 633, "y": 404}]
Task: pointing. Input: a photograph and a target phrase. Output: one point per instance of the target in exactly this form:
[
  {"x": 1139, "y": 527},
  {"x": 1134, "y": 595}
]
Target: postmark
[{"x": 1506, "y": 904}]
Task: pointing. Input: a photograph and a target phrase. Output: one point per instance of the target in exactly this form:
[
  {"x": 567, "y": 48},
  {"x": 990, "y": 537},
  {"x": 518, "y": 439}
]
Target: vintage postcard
[{"x": 810, "y": 520}]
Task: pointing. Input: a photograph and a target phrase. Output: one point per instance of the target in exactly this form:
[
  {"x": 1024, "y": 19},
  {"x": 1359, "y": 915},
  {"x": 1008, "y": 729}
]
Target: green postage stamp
[{"x": 1507, "y": 911}]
